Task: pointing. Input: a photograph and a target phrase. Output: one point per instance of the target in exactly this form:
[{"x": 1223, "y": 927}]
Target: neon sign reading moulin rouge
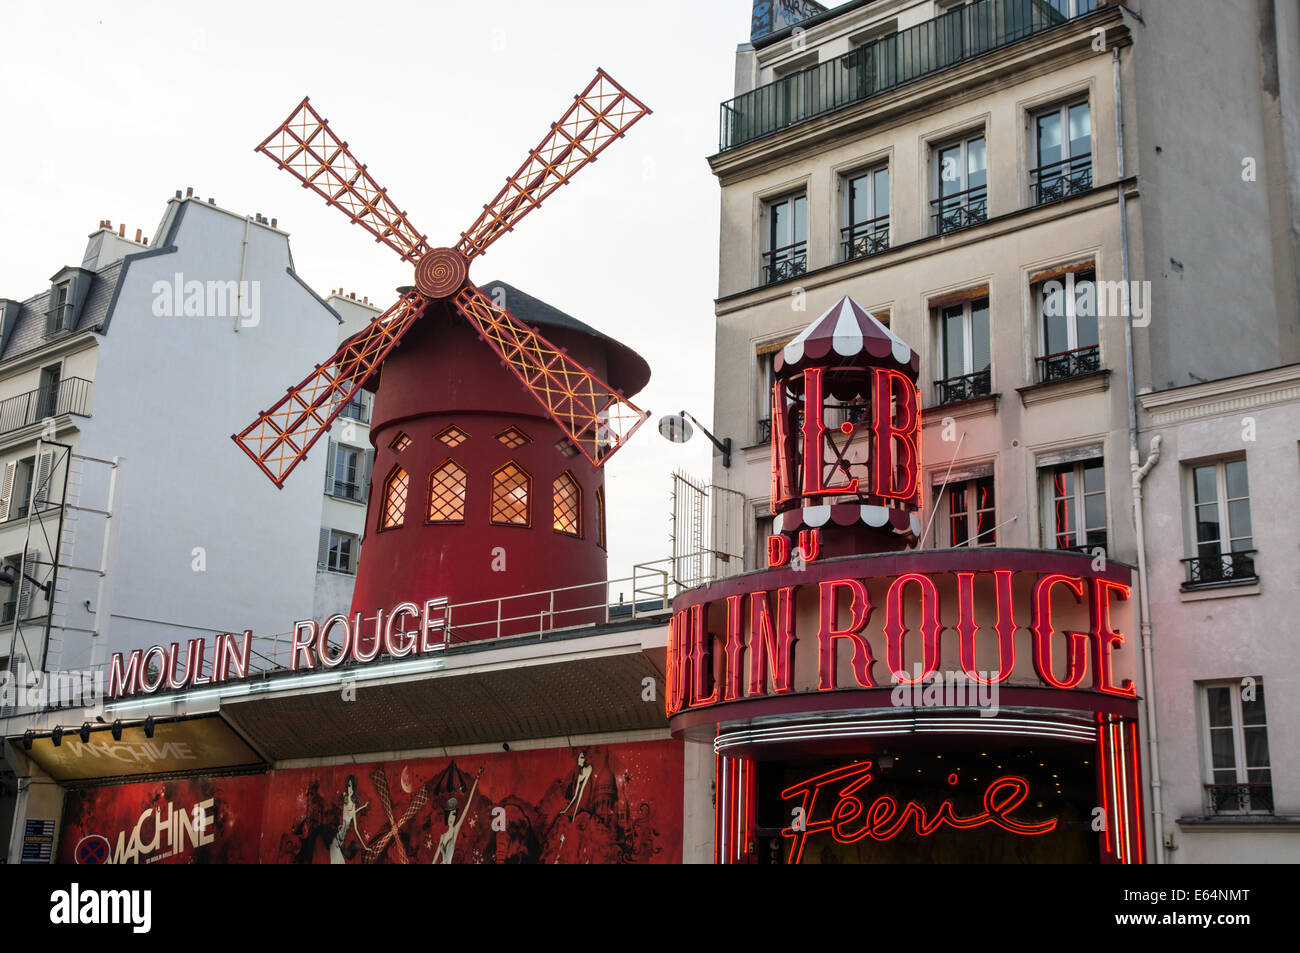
[
  {"x": 849, "y": 820},
  {"x": 705, "y": 669},
  {"x": 328, "y": 644}
]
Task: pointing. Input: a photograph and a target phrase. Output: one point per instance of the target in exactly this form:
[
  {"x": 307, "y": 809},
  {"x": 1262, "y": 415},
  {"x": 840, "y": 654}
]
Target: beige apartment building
[{"x": 1032, "y": 195}]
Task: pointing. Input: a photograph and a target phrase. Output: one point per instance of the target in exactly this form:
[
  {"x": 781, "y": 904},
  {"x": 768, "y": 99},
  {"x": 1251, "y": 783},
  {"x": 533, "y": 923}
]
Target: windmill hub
[{"x": 440, "y": 273}]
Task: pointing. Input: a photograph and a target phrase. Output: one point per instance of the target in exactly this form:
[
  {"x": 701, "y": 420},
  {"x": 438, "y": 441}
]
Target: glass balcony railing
[{"x": 959, "y": 35}]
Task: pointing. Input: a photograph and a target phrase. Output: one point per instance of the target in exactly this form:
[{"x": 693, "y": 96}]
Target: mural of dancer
[
  {"x": 443, "y": 853},
  {"x": 580, "y": 782},
  {"x": 349, "y": 820}
]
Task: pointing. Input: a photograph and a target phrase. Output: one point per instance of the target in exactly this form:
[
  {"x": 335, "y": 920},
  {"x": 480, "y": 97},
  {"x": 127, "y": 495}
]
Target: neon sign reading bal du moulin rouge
[{"x": 327, "y": 645}]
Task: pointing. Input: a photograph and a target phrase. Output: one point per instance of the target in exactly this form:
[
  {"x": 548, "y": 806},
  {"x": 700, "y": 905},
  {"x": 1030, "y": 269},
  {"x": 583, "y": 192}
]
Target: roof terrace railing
[{"x": 959, "y": 35}]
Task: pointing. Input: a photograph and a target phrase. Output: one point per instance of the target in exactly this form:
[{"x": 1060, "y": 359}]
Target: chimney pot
[
  {"x": 146, "y": 242},
  {"x": 189, "y": 192},
  {"x": 178, "y": 193},
  {"x": 138, "y": 233},
  {"x": 121, "y": 230},
  {"x": 212, "y": 201},
  {"x": 274, "y": 222}
]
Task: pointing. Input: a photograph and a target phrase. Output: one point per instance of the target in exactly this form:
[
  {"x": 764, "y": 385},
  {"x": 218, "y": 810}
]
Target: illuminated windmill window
[
  {"x": 447, "y": 494},
  {"x": 600, "y": 517},
  {"x": 453, "y": 436},
  {"x": 400, "y": 443},
  {"x": 568, "y": 505},
  {"x": 514, "y": 437},
  {"x": 395, "y": 490},
  {"x": 510, "y": 489}
]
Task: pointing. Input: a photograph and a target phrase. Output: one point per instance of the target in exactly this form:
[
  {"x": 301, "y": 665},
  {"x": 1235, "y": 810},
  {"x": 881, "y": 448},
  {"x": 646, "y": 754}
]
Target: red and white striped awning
[{"x": 847, "y": 330}]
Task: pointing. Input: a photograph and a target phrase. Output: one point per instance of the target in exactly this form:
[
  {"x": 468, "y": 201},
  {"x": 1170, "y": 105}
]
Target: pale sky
[{"x": 108, "y": 109}]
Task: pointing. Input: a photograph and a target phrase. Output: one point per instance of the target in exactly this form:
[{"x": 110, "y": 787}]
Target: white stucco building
[{"x": 144, "y": 359}]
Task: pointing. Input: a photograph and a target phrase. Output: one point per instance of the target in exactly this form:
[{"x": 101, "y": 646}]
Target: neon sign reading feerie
[
  {"x": 740, "y": 645},
  {"x": 849, "y": 819}
]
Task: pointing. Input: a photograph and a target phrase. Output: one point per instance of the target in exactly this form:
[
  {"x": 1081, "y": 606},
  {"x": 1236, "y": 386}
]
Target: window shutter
[
  {"x": 329, "y": 466},
  {"x": 323, "y": 549},
  {"x": 363, "y": 477},
  {"x": 43, "y": 468},
  {"x": 25, "y": 590},
  {"x": 7, "y": 490}
]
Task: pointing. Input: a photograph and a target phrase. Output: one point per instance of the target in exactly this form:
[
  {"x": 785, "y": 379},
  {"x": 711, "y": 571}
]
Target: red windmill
[{"x": 436, "y": 374}]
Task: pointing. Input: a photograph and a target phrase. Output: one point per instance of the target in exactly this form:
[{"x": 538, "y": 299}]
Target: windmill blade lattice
[
  {"x": 596, "y": 418},
  {"x": 279, "y": 438}
]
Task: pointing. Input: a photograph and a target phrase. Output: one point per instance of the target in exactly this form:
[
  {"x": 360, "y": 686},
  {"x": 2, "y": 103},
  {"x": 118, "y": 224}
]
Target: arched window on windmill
[
  {"x": 567, "y": 497},
  {"x": 511, "y": 488},
  {"x": 447, "y": 485},
  {"x": 396, "y": 488}
]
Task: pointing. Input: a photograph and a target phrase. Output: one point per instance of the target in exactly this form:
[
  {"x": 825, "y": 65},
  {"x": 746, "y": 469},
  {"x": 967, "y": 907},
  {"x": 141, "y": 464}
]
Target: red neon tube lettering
[
  {"x": 814, "y": 436},
  {"x": 1105, "y": 639},
  {"x": 896, "y": 455},
  {"x": 1077, "y": 642},
  {"x": 896, "y": 627},
  {"x": 1005, "y": 626},
  {"x": 701, "y": 660},
  {"x": 859, "y": 613},
  {"x": 771, "y": 646}
]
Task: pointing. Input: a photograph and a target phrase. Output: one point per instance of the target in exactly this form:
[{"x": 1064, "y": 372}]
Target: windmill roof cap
[{"x": 628, "y": 370}]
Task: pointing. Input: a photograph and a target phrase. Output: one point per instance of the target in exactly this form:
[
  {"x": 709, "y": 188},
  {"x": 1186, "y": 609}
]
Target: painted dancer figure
[
  {"x": 442, "y": 854},
  {"x": 580, "y": 781},
  {"x": 349, "y": 820}
]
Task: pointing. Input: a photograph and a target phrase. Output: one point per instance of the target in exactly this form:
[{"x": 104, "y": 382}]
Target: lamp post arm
[{"x": 724, "y": 446}]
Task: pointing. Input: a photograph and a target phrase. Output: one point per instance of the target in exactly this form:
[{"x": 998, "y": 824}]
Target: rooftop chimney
[
  {"x": 121, "y": 230},
  {"x": 189, "y": 192},
  {"x": 139, "y": 233}
]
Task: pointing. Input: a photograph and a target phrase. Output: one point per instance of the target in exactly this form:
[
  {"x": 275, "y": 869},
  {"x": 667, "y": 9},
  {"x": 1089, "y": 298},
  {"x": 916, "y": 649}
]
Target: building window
[
  {"x": 447, "y": 485},
  {"x": 57, "y": 318},
  {"x": 764, "y": 526},
  {"x": 399, "y": 443},
  {"x": 787, "y": 239},
  {"x": 346, "y": 470},
  {"x": 453, "y": 436},
  {"x": 565, "y": 448},
  {"x": 513, "y": 437},
  {"x": 1236, "y": 749},
  {"x": 1221, "y": 528},
  {"x": 964, "y": 356},
  {"x": 396, "y": 488},
  {"x": 1076, "y": 497},
  {"x": 960, "y": 185},
  {"x": 47, "y": 396},
  {"x": 342, "y": 553},
  {"x": 972, "y": 514},
  {"x": 1063, "y": 153},
  {"x": 511, "y": 486},
  {"x": 866, "y": 231},
  {"x": 1067, "y": 327},
  {"x": 355, "y": 408},
  {"x": 22, "y": 491},
  {"x": 568, "y": 505},
  {"x": 600, "y": 517}
]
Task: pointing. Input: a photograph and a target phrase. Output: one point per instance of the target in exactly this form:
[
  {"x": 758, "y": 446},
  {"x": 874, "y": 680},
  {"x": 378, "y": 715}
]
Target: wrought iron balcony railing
[
  {"x": 966, "y": 387},
  {"x": 782, "y": 263},
  {"x": 347, "y": 491},
  {"x": 765, "y": 430},
  {"x": 954, "y": 37},
  {"x": 1238, "y": 799},
  {"x": 865, "y": 238},
  {"x": 960, "y": 210},
  {"x": 1060, "y": 180},
  {"x": 1066, "y": 364},
  {"x": 1238, "y": 567},
  {"x": 70, "y": 396}
]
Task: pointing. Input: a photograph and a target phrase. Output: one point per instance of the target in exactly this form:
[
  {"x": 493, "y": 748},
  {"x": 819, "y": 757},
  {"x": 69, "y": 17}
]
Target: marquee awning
[{"x": 847, "y": 330}]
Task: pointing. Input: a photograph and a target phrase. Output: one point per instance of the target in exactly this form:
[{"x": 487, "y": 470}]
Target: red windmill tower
[{"x": 473, "y": 472}]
